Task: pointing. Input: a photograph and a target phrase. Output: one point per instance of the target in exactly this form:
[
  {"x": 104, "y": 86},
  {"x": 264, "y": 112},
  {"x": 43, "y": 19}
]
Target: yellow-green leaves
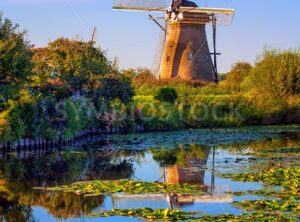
[
  {"x": 150, "y": 214},
  {"x": 287, "y": 198},
  {"x": 99, "y": 187}
]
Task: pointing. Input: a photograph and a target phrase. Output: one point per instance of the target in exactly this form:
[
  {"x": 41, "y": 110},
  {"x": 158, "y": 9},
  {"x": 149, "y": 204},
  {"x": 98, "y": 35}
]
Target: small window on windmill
[
  {"x": 190, "y": 56},
  {"x": 168, "y": 58}
]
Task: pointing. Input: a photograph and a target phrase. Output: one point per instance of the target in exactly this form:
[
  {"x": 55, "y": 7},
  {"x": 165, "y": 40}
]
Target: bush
[
  {"x": 113, "y": 87},
  {"x": 156, "y": 115},
  {"x": 145, "y": 83},
  {"x": 220, "y": 111},
  {"x": 12, "y": 126},
  {"x": 239, "y": 72},
  {"x": 167, "y": 94},
  {"x": 276, "y": 73}
]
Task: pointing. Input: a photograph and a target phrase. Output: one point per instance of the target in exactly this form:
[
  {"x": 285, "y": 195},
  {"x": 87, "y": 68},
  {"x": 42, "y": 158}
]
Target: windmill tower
[{"x": 184, "y": 51}]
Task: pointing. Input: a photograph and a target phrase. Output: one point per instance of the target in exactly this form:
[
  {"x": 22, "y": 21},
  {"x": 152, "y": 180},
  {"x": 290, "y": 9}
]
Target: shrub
[
  {"x": 239, "y": 72},
  {"x": 276, "y": 73},
  {"x": 114, "y": 87},
  {"x": 12, "y": 126},
  {"x": 157, "y": 115},
  {"x": 76, "y": 120},
  {"x": 167, "y": 94},
  {"x": 219, "y": 111}
]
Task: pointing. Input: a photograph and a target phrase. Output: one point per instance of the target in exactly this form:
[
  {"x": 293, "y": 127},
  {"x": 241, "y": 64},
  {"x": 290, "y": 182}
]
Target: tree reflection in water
[
  {"x": 20, "y": 173},
  {"x": 17, "y": 202}
]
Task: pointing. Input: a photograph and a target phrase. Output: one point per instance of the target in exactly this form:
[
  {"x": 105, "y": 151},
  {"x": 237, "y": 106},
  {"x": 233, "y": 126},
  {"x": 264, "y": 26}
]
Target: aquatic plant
[
  {"x": 149, "y": 214},
  {"x": 284, "y": 205},
  {"x": 99, "y": 187},
  {"x": 274, "y": 175},
  {"x": 179, "y": 215}
]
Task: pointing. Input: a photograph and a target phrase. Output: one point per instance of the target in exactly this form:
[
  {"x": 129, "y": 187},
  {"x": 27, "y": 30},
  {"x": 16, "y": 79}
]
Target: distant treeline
[{"x": 70, "y": 86}]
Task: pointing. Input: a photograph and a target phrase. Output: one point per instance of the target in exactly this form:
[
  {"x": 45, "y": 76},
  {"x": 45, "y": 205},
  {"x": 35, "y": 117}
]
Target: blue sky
[{"x": 132, "y": 38}]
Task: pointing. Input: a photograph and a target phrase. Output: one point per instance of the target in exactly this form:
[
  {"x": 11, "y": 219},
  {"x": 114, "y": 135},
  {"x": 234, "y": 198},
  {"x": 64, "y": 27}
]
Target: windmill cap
[{"x": 186, "y": 3}]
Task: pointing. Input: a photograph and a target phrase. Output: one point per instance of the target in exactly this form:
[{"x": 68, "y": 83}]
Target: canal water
[{"x": 193, "y": 156}]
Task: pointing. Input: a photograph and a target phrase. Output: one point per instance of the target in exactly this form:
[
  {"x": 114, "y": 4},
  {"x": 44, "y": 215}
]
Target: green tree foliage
[
  {"x": 15, "y": 59},
  {"x": 276, "y": 73},
  {"x": 167, "y": 94},
  {"x": 11, "y": 124},
  {"x": 113, "y": 87},
  {"x": 239, "y": 72},
  {"x": 71, "y": 61},
  {"x": 75, "y": 118},
  {"x": 42, "y": 66}
]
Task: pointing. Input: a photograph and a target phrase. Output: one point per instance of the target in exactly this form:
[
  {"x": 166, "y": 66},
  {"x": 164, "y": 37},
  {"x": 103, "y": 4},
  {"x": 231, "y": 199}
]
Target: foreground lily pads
[
  {"x": 285, "y": 200},
  {"x": 281, "y": 193},
  {"x": 150, "y": 214},
  {"x": 274, "y": 175},
  {"x": 284, "y": 205},
  {"x": 287, "y": 178},
  {"x": 100, "y": 187},
  {"x": 252, "y": 217},
  {"x": 180, "y": 215}
]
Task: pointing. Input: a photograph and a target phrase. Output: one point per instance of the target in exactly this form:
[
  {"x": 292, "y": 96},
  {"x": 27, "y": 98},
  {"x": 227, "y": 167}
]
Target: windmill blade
[
  {"x": 220, "y": 16},
  {"x": 156, "y": 64},
  {"x": 141, "y": 5}
]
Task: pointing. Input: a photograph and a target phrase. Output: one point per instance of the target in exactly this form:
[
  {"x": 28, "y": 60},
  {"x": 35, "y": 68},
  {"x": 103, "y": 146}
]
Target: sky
[{"x": 133, "y": 38}]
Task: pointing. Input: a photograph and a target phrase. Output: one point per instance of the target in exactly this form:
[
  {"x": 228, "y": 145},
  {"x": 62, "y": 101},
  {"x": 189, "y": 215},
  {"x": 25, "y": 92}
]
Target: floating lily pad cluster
[
  {"x": 285, "y": 200},
  {"x": 274, "y": 175},
  {"x": 252, "y": 217},
  {"x": 179, "y": 215},
  {"x": 100, "y": 187},
  {"x": 150, "y": 214},
  {"x": 282, "y": 205}
]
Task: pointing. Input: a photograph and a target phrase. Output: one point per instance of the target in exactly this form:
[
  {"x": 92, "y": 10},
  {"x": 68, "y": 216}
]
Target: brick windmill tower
[{"x": 183, "y": 52}]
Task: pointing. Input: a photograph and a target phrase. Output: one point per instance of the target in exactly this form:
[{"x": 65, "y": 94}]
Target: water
[{"x": 196, "y": 157}]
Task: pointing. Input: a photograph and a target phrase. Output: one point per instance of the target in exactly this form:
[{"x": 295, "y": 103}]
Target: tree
[
  {"x": 276, "y": 73},
  {"x": 167, "y": 94},
  {"x": 15, "y": 59},
  {"x": 71, "y": 61}
]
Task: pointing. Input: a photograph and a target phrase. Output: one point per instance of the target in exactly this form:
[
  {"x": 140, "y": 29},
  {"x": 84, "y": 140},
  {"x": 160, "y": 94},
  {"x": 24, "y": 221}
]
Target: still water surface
[{"x": 195, "y": 157}]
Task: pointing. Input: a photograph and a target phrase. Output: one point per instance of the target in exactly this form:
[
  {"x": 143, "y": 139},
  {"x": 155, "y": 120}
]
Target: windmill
[{"x": 184, "y": 52}]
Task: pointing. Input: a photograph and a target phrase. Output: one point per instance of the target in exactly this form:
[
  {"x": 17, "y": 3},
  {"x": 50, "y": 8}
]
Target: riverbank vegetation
[
  {"x": 70, "y": 85},
  {"x": 266, "y": 93}
]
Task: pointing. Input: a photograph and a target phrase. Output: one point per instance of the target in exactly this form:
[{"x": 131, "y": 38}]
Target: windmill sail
[
  {"x": 141, "y": 5},
  {"x": 158, "y": 54},
  {"x": 207, "y": 15}
]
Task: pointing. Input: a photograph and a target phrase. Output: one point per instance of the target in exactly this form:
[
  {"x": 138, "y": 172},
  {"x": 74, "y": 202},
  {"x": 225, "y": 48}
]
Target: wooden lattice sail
[{"x": 141, "y": 5}]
